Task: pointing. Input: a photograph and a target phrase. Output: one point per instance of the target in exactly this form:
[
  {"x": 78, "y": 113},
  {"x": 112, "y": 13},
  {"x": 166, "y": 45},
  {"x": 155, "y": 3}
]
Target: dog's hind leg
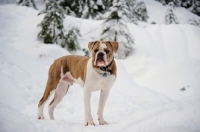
[
  {"x": 51, "y": 85},
  {"x": 42, "y": 102},
  {"x": 60, "y": 92},
  {"x": 50, "y": 88}
]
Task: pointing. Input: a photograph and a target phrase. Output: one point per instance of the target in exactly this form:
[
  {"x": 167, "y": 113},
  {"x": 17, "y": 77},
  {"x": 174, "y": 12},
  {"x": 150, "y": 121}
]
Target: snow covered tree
[
  {"x": 52, "y": 24},
  {"x": 131, "y": 4},
  {"x": 191, "y": 5},
  {"x": 28, "y": 3},
  {"x": 170, "y": 17},
  {"x": 89, "y": 9},
  {"x": 115, "y": 28},
  {"x": 87, "y": 53},
  {"x": 140, "y": 12},
  {"x": 162, "y": 1},
  {"x": 67, "y": 6},
  {"x": 194, "y": 22},
  {"x": 72, "y": 7},
  {"x": 176, "y": 3},
  {"x": 136, "y": 11},
  {"x": 71, "y": 39},
  {"x": 93, "y": 9},
  {"x": 108, "y": 4},
  {"x": 194, "y": 6}
]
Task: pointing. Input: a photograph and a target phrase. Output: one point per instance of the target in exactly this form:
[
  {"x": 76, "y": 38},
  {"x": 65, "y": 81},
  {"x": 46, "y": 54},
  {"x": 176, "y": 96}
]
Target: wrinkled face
[{"x": 102, "y": 52}]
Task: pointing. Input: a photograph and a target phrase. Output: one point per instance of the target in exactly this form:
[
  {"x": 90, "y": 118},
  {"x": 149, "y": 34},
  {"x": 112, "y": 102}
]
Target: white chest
[
  {"x": 103, "y": 83},
  {"x": 96, "y": 81}
]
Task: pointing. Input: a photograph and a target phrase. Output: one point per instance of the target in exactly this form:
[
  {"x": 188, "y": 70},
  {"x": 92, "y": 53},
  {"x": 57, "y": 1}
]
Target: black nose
[{"x": 100, "y": 54}]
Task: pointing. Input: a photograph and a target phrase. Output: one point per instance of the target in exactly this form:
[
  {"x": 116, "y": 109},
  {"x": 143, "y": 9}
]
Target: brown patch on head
[
  {"x": 113, "y": 44},
  {"x": 94, "y": 48},
  {"x": 91, "y": 44},
  {"x": 108, "y": 48},
  {"x": 100, "y": 47},
  {"x": 109, "y": 51},
  {"x": 112, "y": 47}
]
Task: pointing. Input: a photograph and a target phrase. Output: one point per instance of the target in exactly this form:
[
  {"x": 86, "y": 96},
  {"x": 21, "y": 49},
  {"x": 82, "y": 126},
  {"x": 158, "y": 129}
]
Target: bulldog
[{"x": 91, "y": 73}]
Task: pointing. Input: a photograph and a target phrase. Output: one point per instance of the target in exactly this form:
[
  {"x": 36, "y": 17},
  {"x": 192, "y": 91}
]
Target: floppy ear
[
  {"x": 114, "y": 45},
  {"x": 91, "y": 45}
]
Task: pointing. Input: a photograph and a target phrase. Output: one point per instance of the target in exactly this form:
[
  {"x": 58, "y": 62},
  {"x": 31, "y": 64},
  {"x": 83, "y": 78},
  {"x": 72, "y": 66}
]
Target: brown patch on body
[
  {"x": 52, "y": 82},
  {"x": 74, "y": 64}
]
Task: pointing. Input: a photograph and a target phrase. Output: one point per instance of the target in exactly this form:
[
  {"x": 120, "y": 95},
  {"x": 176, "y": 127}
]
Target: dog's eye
[
  {"x": 107, "y": 51},
  {"x": 96, "y": 50}
]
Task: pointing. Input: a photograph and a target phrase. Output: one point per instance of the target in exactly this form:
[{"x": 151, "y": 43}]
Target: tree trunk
[
  {"x": 34, "y": 5},
  {"x": 54, "y": 31},
  {"x": 19, "y": 2},
  {"x": 115, "y": 39}
]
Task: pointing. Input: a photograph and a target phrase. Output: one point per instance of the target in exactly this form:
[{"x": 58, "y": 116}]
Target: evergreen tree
[
  {"x": 194, "y": 22},
  {"x": 191, "y": 5},
  {"x": 170, "y": 17},
  {"x": 176, "y": 3},
  {"x": 195, "y": 6},
  {"x": 131, "y": 5},
  {"x": 52, "y": 24},
  {"x": 73, "y": 7},
  {"x": 115, "y": 28},
  {"x": 140, "y": 12},
  {"x": 108, "y": 4},
  {"x": 89, "y": 9},
  {"x": 136, "y": 11},
  {"x": 71, "y": 39},
  {"x": 67, "y": 6},
  {"x": 28, "y": 3},
  {"x": 93, "y": 9},
  {"x": 87, "y": 53}
]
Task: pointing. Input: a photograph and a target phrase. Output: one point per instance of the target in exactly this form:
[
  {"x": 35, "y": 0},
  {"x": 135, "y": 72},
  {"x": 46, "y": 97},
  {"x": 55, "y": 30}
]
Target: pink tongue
[{"x": 100, "y": 63}]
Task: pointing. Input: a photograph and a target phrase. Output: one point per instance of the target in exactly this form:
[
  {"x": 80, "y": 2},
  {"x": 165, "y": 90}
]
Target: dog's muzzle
[
  {"x": 100, "y": 56},
  {"x": 100, "y": 60}
]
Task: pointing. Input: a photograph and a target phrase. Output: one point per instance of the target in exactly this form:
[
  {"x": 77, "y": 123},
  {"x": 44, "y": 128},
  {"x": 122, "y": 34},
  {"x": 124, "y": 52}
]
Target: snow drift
[{"x": 165, "y": 59}]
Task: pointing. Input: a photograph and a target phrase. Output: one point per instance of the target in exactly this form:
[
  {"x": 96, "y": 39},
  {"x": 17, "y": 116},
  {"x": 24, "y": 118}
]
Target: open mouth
[
  {"x": 100, "y": 62},
  {"x": 100, "y": 59}
]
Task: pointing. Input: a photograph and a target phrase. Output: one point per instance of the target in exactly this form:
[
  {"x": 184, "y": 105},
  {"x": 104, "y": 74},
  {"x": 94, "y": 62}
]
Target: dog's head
[{"x": 103, "y": 52}]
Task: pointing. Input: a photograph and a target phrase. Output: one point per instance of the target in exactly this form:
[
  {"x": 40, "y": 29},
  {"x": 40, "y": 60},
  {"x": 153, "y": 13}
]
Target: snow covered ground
[
  {"x": 166, "y": 59},
  {"x": 147, "y": 98}
]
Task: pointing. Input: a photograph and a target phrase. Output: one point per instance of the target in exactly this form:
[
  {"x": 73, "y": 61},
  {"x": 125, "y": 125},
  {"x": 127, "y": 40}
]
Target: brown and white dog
[{"x": 91, "y": 73}]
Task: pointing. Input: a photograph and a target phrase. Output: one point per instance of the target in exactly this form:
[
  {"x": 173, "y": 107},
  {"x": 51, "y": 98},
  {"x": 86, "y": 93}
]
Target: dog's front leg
[
  {"x": 88, "y": 117},
  {"x": 103, "y": 97}
]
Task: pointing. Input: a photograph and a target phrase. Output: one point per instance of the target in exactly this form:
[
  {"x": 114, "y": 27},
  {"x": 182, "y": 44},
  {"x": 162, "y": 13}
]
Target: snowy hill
[
  {"x": 157, "y": 11},
  {"x": 165, "y": 59}
]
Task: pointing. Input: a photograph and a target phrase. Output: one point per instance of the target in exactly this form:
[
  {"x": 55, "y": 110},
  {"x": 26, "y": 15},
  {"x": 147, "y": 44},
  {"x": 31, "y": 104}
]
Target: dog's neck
[{"x": 105, "y": 69}]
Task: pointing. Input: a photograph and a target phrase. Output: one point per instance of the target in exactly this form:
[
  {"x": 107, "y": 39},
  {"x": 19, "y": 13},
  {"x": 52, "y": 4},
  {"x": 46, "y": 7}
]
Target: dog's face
[{"x": 102, "y": 52}]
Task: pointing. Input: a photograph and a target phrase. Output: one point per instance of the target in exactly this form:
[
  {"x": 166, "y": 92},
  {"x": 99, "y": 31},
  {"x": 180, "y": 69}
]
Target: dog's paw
[
  {"x": 89, "y": 122},
  {"x": 102, "y": 122},
  {"x": 40, "y": 117}
]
